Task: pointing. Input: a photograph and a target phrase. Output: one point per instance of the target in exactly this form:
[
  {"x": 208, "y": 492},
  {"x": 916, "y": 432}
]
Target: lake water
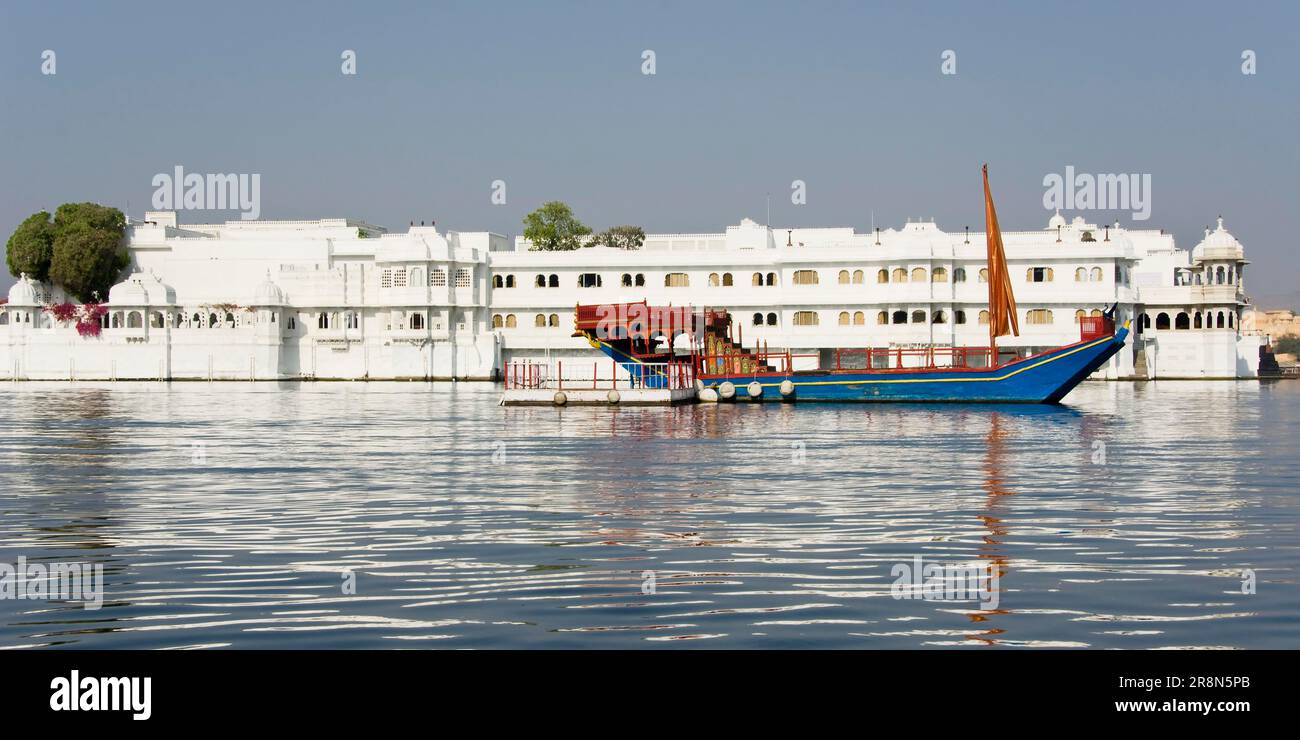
[{"x": 351, "y": 515}]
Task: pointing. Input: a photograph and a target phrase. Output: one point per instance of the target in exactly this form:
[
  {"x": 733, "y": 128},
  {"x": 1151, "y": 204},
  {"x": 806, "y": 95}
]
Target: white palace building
[{"x": 342, "y": 299}]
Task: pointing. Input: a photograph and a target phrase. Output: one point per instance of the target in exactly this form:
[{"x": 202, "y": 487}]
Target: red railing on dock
[{"x": 578, "y": 375}]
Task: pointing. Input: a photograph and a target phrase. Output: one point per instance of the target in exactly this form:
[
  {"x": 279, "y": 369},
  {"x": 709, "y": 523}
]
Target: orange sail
[{"x": 1002, "y": 301}]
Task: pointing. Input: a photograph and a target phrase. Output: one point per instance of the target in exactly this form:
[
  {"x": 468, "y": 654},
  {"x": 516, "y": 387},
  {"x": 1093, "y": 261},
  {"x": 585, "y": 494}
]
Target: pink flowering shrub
[
  {"x": 62, "y": 312},
  {"x": 88, "y": 319}
]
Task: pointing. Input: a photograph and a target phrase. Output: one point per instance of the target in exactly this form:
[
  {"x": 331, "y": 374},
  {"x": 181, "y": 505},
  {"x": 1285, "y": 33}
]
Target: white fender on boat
[
  {"x": 727, "y": 390},
  {"x": 613, "y": 397},
  {"x": 708, "y": 395},
  {"x": 560, "y": 398},
  {"x": 787, "y": 389},
  {"x": 754, "y": 389}
]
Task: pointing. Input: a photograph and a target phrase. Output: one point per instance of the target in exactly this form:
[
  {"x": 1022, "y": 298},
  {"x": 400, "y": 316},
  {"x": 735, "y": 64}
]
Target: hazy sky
[{"x": 747, "y": 97}]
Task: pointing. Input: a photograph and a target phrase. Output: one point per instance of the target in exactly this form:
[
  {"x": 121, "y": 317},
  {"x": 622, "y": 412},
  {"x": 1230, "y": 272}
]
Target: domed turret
[
  {"x": 268, "y": 293},
  {"x": 23, "y": 292},
  {"x": 142, "y": 289},
  {"x": 1218, "y": 244},
  {"x": 1057, "y": 221}
]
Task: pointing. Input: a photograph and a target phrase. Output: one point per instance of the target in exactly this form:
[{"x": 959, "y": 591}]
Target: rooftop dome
[
  {"x": 23, "y": 292},
  {"x": 1220, "y": 244},
  {"x": 1057, "y": 221},
  {"x": 141, "y": 289},
  {"x": 268, "y": 293}
]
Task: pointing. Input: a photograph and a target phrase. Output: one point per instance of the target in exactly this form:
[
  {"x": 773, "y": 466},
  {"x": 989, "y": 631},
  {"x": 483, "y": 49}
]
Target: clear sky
[{"x": 746, "y": 98}]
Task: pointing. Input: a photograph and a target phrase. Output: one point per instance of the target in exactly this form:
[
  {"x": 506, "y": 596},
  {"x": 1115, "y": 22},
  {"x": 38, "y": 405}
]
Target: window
[
  {"x": 540, "y": 282},
  {"x": 417, "y": 277},
  {"x": 959, "y": 275},
  {"x": 322, "y": 320},
  {"x": 727, "y": 281},
  {"x": 899, "y": 275},
  {"x": 1080, "y": 275},
  {"x": 213, "y": 323},
  {"x": 918, "y": 275},
  {"x": 291, "y": 323},
  {"x": 882, "y": 317},
  {"x": 918, "y": 317},
  {"x": 1162, "y": 321},
  {"x": 845, "y": 318},
  {"x": 399, "y": 278},
  {"x": 626, "y": 280},
  {"x": 352, "y": 320},
  {"x": 1038, "y": 316},
  {"x": 805, "y": 277},
  {"x": 1078, "y": 315},
  {"x": 539, "y": 321},
  {"x": 758, "y": 319},
  {"x": 1182, "y": 321},
  {"x": 757, "y": 280},
  {"x": 462, "y": 277},
  {"x": 984, "y": 318},
  {"x": 958, "y": 317},
  {"x": 438, "y": 278},
  {"x": 771, "y": 279},
  {"x": 899, "y": 317},
  {"x": 134, "y": 320},
  {"x": 984, "y": 274},
  {"x": 386, "y": 279},
  {"x": 805, "y": 318},
  {"x": 1096, "y": 274},
  {"x": 156, "y": 320},
  {"x": 640, "y": 279},
  {"x": 510, "y": 281},
  {"x": 677, "y": 280},
  {"x": 554, "y": 320},
  {"x": 589, "y": 280},
  {"x": 417, "y": 321},
  {"x": 857, "y": 277},
  {"x": 844, "y": 277},
  {"x": 771, "y": 319},
  {"x": 1196, "y": 320},
  {"x": 939, "y": 318},
  {"x": 939, "y": 275},
  {"x": 498, "y": 281},
  {"x": 1038, "y": 275},
  {"x": 859, "y": 318},
  {"x": 882, "y": 276},
  {"x": 511, "y": 321},
  {"x": 497, "y": 321},
  {"x": 714, "y": 280},
  {"x": 553, "y": 281}
]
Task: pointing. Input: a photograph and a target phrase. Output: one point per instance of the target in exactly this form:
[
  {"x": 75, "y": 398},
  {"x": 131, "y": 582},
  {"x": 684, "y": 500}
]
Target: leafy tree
[
  {"x": 31, "y": 246},
  {"x": 88, "y": 254},
  {"x": 624, "y": 237},
  {"x": 1288, "y": 345},
  {"x": 553, "y": 227}
]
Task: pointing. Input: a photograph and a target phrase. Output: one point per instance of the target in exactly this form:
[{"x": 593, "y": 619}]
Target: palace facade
[{"x": 343, "y": 299}]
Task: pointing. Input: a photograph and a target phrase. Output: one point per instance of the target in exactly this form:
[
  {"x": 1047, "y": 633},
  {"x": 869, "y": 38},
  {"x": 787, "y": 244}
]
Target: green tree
[
  {"x": 1288, "y": 345},
  {"x": 624, "y": 237},
  {"x": 553, "y": 227},
  {"x": 88, "y": 255},
  {"x": 31, "y": 247}
]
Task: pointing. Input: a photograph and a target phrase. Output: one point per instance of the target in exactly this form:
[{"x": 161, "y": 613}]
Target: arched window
[
  {"x": 900, "y": 275},
  {"x": 805, "y": 277},
  {"x": 510, "y": 281},
  {"x": 1039, "y": 275},
  {"x": 959, "y": 275},
  {"x": 4, "y": 318},
  {"x": 771, "y": 279},
  {"x": 984, "y": 274},
  {"x": 541, "y": 281},
  {"x": 1196, "y": 320},
  {"x": 918, "y": 317},
  {"x": 939, "y": 275},
  {"x": 677, "y": 280},
  {"x": 805, "y": 318},
  {"x": 882, "y": 276},
  {"x": 959, "y": 317},
  {"x": 757, "y": 280},
  {"x": 626, "y": 280},
  {"x": 1146, "y": 321},
  {"x": 844, "y": 277},
  {"x": 213, "y": 323},
  {"x": 1096, "y": 275},
  {"x": 554, "y": 320},
  {"x": 1230, "y": 315},
  {"x": 511, "y": 321},
  {"x": 497, "y": 321},
  {"x": 1182, "y": 321},
  {"x": 727, "y": 281},
  {"x": 539, "y": 321},
  {"x": 771, "y": 319},
  {"x": 882, "y": 317},
  {"x": 417, "y": 321},
  {"x": 134, "y": 320},
  {"x": 1038, "y": 316},
  {"x": 845, "y": 318},
  {"x": 857, "y": 277},
  {"x": 640, "y": 280},
  {"x": 230, "y": 319},
  {"x": 939, "y": 318},
  {"x": 553, "y": 281},
  {"x": 900, "y": 317},
  {"x": 1162, "y": 321},
  {"x": 714, "y": 281},
  {"x": 859, "y": 318},
  {"x": 1219, "y": 275},
  {"x": 758, "y": 319},
  {"x": 1080, "y": 275},
  {"x": 196, "y": 321},
  {"x": 984, "y": 318},
  {"x": 156, "y": 320},
  {"x": 1078, "y": 315},
  {"x": 1221, "y": 325},
  {"x": 353, "y": 320},
  {"x": 498, "y": 281},
  {"x": 918, "y": 275}
]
